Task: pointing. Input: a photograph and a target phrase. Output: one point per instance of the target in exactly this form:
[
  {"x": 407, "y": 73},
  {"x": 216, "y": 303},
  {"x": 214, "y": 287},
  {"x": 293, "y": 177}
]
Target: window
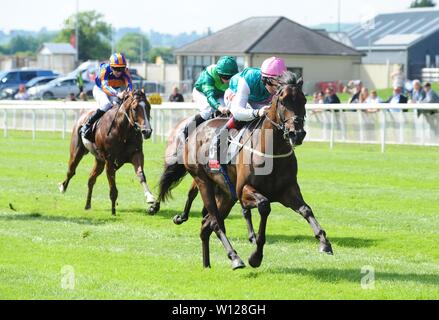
[
  {"x": 12, "y": 77},
  {"x": 69, "y": 82},
  {"x": 194, "y": 65},
  {"x": 28, "y": 75}
]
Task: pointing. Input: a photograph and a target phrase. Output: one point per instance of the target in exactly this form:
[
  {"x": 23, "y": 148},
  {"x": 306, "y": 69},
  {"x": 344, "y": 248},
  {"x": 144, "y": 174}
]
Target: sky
[{"x": 188, "y": 15}]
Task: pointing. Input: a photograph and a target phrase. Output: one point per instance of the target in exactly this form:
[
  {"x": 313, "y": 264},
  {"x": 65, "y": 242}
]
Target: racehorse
[
  {"x": 117, "y": 140},
  {"x": 283, "y": 125}
]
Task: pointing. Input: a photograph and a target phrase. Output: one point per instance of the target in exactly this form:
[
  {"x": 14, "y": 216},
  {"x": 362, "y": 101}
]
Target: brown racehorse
[
  {"x": 256, "y": 187},
  {"x": 118, "y": 140}
]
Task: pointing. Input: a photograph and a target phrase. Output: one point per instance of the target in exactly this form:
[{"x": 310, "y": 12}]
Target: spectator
[
  {"x": 71, "y": 97},
  {"x": 22, "y": 93},
  {"x": 418, "y": 94},
  {"x": 430, "y": 95},
  {"x": 364, "y": 96},
  {"x": 373, "y": 98},
  {"x": 83, "y": 96},
  {"x": 318, "y": 97},
  {"x": 356, "y": 92},
  {"x": 80, "y": 82},
  {"x": 176, "y": 96},
  {"x": 398, "y": 77},
  {"x": 92, "y": 76},
  {"x": 397, "y": 98},
  {"x": 331, "y": 97}
]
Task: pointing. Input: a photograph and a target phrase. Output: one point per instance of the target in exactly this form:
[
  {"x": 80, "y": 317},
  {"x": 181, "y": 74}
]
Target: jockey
[
  {"x": 248, "y": 97},
  {"x": 112, "y": 75},
  {"x": 209, "y": 90}
]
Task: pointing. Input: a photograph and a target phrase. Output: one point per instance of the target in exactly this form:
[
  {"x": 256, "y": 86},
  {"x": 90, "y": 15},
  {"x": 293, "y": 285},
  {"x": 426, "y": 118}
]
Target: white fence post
[
  {"x": 64, "y": 121},
  {"x": 383, "y": 130},
  {"x": 331, "y": 139},
  {"x": 401, "y": 127},
  {"x": 361, "y": 124},
  {"x": 5, "y": 123},
  {"x": 34, "y": 124}
]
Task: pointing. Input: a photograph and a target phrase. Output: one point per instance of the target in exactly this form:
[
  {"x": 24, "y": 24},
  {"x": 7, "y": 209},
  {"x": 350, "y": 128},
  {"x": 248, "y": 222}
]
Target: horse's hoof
[
  {"x": 255, "y": 260},
  {"x": 153, "y": 209},
  {"x": 178, "y": 220},
  {"x": 87, "y": 207},
  {"x": 326, "y": 248},
  {"x": 237, "y": 263},
  {"x": 61, "y": 188}
]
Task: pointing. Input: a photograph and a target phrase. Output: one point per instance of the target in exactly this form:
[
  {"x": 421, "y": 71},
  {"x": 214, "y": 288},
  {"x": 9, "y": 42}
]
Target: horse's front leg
[
  {"x": 293, "y": 199},
  {"x": 250, "y": 199},
  {"x": 111, "y": 176},
  {"x": 138, "y": 162}
]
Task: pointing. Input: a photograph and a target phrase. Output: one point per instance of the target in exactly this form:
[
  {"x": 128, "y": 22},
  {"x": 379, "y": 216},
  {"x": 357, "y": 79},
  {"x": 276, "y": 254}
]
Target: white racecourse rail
[{"x": 350, "y": 123}]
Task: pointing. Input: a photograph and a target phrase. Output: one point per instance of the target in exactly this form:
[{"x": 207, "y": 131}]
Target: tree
[
  {"x": 422, "y": 3},
  {"x": 94, "y": 35},
  {"x": 135, "y": 46},
  {"x": 26, "y": 43},
  {"x": 23, "y": 44},
  {"x": 164, "y": 52}
]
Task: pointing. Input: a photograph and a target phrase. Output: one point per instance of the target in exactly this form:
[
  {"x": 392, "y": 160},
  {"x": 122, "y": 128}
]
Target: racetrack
[{"x": 379, "y": 210}]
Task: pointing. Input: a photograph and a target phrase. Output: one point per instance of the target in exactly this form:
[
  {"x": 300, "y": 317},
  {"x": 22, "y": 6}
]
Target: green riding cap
[{"x": 227, "y": 66}]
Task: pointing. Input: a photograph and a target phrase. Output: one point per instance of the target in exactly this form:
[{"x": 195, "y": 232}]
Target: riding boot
[
  {"x": 195, "y": 121},
  {"x": 215, "y": 151},
  {"x": 87, "y": 127}
]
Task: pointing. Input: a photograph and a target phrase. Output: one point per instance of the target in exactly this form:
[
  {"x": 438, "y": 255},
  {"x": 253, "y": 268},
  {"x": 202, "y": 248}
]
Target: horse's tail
[{"x": 171, "y": 177}]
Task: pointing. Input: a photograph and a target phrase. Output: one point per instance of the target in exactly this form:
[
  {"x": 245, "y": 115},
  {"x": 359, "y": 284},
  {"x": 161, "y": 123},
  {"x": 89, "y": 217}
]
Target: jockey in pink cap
[{"x": 249, "y": 96}]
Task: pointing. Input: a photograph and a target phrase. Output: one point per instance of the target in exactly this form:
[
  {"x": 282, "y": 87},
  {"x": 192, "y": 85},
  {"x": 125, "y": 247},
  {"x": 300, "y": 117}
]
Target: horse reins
[
  {"x": 132, "y": 122},
  {"x": 282, "y": 126}
]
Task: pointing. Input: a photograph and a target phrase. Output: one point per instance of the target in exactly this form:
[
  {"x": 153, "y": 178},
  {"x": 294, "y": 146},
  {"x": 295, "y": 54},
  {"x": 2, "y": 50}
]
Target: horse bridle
[
  {"x": 130, "y": 116},
  {"x": 282, "y": 125}
]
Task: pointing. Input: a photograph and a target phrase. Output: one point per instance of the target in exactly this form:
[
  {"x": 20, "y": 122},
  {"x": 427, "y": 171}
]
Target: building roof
[
  {"x": 57, "y": 48},
  {"x": 398, "y": 29},
  {"x": 271, "y": 35}
]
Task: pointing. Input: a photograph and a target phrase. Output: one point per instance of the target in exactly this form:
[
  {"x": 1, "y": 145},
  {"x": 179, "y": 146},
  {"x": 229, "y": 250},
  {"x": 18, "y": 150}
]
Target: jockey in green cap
[{"x": 209, "y": 90}]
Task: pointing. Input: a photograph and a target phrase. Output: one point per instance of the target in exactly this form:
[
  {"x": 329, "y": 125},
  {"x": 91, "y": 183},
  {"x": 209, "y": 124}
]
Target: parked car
[
  {"x": 10, "y": 93},
  {"x": 60, "y": 88},
  {"x": 149, "y": 86},
  {"x": 13, "y": 78}
]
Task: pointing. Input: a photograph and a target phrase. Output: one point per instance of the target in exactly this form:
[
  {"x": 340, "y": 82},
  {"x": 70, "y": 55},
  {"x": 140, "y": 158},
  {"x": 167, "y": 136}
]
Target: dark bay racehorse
[
  {"x": 118, "y": 139},
  {"x": 279, "y": 132}
]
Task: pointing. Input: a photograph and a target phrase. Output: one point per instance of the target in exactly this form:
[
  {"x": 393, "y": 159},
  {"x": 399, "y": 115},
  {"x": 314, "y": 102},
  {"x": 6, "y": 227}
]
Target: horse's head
[
  {"x": 289, "y": 107},
  {"x": 138, "y": 111}
]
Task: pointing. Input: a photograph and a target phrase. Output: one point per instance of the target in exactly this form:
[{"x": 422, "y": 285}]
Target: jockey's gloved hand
[
  {"x": 263, "y": 111},
  {"x": 120, "y": 95},
  {"x": 223, "y": 109}
]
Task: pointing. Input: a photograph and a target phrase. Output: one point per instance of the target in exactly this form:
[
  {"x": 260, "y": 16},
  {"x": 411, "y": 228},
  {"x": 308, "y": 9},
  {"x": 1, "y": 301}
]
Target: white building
[{"x": 59, "y": 57}]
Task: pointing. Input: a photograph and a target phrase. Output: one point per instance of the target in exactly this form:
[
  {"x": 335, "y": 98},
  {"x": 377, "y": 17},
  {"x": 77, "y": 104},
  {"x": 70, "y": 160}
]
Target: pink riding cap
[{"x": 273, "y": 67}]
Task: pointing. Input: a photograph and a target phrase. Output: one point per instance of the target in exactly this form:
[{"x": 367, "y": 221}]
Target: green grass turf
[{"x": 379, "y": 210}]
